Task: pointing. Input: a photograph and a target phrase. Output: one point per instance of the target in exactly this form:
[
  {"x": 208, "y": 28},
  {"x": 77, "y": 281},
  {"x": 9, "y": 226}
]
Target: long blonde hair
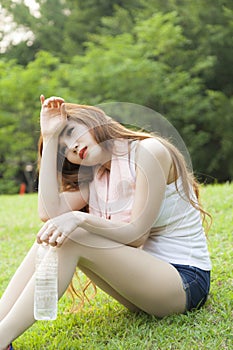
[{"x": 105, "y": 130}]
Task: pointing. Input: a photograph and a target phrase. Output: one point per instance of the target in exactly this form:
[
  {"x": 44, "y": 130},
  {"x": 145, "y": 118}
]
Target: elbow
[
  {"x": 44, "y": 219},
  {"x": 43, "y": 215},
  {"x": 46, "y": 215},
  {"x": 137, "y": 243}
]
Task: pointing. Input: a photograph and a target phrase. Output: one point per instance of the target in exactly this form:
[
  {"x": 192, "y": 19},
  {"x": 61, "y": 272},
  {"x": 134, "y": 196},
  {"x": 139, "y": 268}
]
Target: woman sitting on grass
[{"x": 122, "y": 206}]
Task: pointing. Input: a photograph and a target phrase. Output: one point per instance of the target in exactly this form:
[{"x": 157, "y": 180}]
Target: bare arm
[
  {"x": 51, "y": 203},
  {"x": 153, "y": 166}
]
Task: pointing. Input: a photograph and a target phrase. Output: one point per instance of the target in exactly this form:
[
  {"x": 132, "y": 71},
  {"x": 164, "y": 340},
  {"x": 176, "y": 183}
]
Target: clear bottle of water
[{"x": 46, "y": 284}]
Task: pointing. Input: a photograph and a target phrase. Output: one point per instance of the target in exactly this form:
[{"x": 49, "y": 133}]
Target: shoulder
[
  {"x": 152, "y": 157},
  {"x": 154, "y": 147}
]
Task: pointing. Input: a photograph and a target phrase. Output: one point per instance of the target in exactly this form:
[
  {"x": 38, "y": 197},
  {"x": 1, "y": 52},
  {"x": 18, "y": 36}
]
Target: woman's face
[{"x": 79, "y": 146}]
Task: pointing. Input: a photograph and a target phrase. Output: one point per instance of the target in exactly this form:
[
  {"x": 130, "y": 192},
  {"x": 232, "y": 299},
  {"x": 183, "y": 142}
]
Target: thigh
[
  {"x": 150, "y": 284},
  {"x": 99, "y": 282}
]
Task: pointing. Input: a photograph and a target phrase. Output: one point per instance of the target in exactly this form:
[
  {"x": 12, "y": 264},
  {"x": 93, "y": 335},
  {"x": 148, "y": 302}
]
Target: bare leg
[
  {"x": 20, "y": 279},
  {"x": 148, "y": 283},
  {"x": 19, "y": 305},
  {"x": 107, "y": 288}
]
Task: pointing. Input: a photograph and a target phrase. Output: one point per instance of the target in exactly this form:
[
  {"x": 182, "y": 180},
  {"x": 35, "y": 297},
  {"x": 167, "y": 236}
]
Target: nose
[{"x": 72, "y": 146}]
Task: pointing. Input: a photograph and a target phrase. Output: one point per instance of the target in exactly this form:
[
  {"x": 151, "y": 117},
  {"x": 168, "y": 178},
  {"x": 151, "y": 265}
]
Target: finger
[
  {"x": 63, "y": 111},
  {"x": 46, "y": 241},
  {"x": 60, "y": 240},
  {"x": 56, "y": 233},
  {"x": 60, "y": 100},
  {"x": 42, "y": 240},
  {"x": 45, "y": 236},
  {"x": 47, "y": 231},
  {"x": 42, "y": 99},
  {"x": 43, "y": 229},
  {"x": 38, "y": 240},
  {"x": 48, "y": 102}
]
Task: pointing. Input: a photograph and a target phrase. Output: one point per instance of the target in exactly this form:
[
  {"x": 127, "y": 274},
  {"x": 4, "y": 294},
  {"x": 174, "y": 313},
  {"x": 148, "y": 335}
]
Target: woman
[{"x": 122, "y": 207}]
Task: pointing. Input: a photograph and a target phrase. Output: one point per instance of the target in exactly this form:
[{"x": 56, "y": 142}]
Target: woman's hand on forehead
[
  {"x": 51, "y": 102},
  {"x": 53, "y": 116}
]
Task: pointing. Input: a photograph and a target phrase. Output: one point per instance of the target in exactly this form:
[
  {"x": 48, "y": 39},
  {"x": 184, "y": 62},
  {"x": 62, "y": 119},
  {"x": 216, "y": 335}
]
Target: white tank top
[{"x": 177, "y": 235}]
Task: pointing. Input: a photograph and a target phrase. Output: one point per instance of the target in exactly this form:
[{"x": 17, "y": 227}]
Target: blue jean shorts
[{"x": 196, "y": 283}]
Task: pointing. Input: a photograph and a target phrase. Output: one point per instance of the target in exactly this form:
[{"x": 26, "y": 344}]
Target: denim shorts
[{"x": 196, "y": 283}]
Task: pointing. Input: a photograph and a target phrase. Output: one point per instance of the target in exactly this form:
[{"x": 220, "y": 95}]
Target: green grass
[{"x": 105, "y": 324}]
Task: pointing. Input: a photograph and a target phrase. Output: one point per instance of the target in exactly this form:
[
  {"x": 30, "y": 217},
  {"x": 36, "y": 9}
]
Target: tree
[
  {"x": 157, "y": 54},
  {"x": 147, "y": 67},
  {"x": 61, "y": 27},
  {"x": 20, "y": 89}
]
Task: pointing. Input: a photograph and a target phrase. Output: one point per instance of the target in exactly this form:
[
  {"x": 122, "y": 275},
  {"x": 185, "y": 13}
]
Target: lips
[{"x": 83, "y": 153}]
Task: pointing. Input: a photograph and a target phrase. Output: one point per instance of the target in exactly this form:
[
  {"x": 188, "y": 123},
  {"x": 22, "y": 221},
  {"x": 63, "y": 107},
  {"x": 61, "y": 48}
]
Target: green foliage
[
  {"x": 61, "y": 28},
  {"x": 172, "y": 56},
  {"x": 105, "y": 324},
  {"x": 20, "y": 89}
]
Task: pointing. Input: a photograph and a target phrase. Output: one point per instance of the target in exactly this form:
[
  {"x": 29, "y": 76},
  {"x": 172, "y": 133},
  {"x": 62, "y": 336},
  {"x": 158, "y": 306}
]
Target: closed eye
[{"x": 69, "y": 131}]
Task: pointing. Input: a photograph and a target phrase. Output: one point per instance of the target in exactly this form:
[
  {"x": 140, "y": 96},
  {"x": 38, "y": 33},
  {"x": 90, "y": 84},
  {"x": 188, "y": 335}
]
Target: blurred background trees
[{"x": 173, "y": 56}]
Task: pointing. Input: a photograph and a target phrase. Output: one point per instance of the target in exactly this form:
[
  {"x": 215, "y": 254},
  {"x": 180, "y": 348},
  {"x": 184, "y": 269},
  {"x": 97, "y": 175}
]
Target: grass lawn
[{"x": 105, "y": 324}]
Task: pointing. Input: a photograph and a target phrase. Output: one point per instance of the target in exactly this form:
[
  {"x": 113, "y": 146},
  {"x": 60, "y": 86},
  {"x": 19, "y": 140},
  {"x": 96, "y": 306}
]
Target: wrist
[
  {"x": 50, "y": 138},
  {"x": 81, "y": 218}
]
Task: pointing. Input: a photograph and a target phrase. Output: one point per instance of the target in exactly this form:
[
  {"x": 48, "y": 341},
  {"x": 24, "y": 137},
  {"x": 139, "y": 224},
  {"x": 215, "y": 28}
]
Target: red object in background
[{"x": 22, "y": 188}]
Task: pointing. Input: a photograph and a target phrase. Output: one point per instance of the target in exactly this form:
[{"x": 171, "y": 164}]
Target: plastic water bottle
[{"x": 46, "y": 291}]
